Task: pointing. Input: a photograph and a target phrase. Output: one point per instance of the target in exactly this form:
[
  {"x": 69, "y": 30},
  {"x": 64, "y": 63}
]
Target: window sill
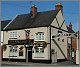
[
  {"x": 12, "y": 38},
  {"x": 39, "y": 57},
  {"x": 39, "y": 40},
  {"x": 12, "y": 56}
]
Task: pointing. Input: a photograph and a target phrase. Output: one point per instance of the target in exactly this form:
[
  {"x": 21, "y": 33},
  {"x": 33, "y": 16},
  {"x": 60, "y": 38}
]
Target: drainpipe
[
  {"x": 71, "y": 49},
  {"x": 50, "y": 45},
  {"x": 26, "y": 55}
]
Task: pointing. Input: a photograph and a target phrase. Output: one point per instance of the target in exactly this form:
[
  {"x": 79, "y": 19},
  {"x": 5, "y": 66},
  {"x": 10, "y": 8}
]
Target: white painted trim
[
  {"x": 40, "y": 47},
  {"x": 10, "y": 22},
  {"x": 12, "y": 34},
  {"x": 39, "y": 40}
]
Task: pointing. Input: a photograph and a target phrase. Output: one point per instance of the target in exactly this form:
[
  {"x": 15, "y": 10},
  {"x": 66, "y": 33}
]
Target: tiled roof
[
  {"x": 42, "y": 19},
  {"x": 4, "y": 23}
]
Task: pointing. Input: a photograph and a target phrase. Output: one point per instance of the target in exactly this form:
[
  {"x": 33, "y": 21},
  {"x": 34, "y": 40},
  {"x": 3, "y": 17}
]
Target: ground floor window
[
  {"x": 20, "y": 52},
  {"x": 13, "y": 51},
  {"x": 39, "y": 52}
]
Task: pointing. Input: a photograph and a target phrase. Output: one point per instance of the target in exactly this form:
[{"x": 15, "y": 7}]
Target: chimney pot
[
  {"x": 33, "y": 10},
  {"x": 70, "y": 25},
  {"x": 59, "y": 7}
]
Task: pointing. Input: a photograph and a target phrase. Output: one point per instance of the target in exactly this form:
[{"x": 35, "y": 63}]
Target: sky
[{"x": 9, "y": 9}]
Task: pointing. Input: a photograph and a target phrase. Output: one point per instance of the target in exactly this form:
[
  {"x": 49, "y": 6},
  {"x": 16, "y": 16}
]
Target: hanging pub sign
[{"x": 27, "y": 33}]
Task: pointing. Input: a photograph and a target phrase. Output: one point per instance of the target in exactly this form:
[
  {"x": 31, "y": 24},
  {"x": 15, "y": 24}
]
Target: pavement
[{"x": 9, "y": 63}]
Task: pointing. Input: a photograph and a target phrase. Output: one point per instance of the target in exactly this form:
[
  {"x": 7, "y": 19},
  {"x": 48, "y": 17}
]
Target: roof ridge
[
  {"x": 37, "y": 12},
  {"x": 47, "y": 11}
]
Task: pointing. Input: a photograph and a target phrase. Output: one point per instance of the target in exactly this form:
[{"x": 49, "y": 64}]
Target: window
[
  {"x": 39, "y": 52},
  {"x": 13, "y": 51},
  {"x": 39, "y": 36},
  {"x": 13, "y": 34},
  {"x": 20, "y": 52}
]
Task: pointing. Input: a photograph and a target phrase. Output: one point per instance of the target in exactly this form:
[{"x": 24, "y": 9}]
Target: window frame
[
  {"x": 13, "y": 34},
  {"x": 40, "y": 53},
  {"x": 39, "y": 36},
  {"x": 40, "y": 50},
  {"x": 13, "y": 52}
]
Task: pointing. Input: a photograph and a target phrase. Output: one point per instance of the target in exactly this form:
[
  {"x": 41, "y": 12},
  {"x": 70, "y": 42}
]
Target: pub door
[{"x": 29, "y": 54}]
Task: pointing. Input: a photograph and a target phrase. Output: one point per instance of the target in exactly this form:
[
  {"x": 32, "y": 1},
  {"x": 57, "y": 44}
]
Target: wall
[
  {"x": 63, "y": 45},
  {"x": 21, "y": 35},
  {"x": 54, "y": 31}
]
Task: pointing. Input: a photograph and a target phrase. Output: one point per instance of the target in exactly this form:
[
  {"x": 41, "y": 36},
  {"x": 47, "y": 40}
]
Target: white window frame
[
  {"x": 13, "y": 51},
  {"x": 39, "y": 54},
  {"x": 13, "y": 34},
  {"x": 38, "y": 37}
]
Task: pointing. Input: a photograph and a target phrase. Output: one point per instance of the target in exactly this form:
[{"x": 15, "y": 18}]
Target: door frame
[{"x": 27, "y": 59}]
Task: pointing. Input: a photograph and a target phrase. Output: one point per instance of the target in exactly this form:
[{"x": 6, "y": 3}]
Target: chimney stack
[
  {"x": 33, "y": 10},
  {"x": 70, "y": 25},
  {"x": 59, "y": 7}
]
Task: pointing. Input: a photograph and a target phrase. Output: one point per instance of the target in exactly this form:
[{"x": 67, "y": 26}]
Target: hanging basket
[
  {"x": 21, "y": 47},
  {"x": 4, "y": 47},
  {"x": 40, "y": 44},
  {"x": 44, "y": 44}
]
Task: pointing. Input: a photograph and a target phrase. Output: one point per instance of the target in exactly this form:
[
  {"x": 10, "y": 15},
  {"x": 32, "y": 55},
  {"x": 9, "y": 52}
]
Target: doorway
[{"x": 29, "y": 54}]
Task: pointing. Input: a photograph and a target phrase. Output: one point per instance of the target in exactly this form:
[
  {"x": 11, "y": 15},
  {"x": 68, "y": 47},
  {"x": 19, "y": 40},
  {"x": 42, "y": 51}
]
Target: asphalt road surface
[{"x": 66, "y": 63}]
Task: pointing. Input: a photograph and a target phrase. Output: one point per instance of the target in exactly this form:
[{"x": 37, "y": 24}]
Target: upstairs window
[
  {"x": 13, "y": 34},
  {"x": 39, "y": 36}
]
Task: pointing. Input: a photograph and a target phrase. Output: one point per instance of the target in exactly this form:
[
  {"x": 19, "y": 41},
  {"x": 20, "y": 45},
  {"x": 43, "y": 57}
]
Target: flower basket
[
  {"x": 44, "y": 44},
  {"x": 21, "y": 47},
  {"x": 39, "y": 43}
]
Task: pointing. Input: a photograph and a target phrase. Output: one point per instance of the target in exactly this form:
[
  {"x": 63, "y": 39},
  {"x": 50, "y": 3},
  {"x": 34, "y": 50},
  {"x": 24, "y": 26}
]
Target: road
[{"x": 66, "y": 63}]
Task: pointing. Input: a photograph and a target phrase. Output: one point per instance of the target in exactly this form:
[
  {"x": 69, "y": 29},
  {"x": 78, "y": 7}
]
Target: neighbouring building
[
  {"x": 37, "y": 36},
  {"x": 73, "y": 46},
  {"x": 77, "y": 48}
]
